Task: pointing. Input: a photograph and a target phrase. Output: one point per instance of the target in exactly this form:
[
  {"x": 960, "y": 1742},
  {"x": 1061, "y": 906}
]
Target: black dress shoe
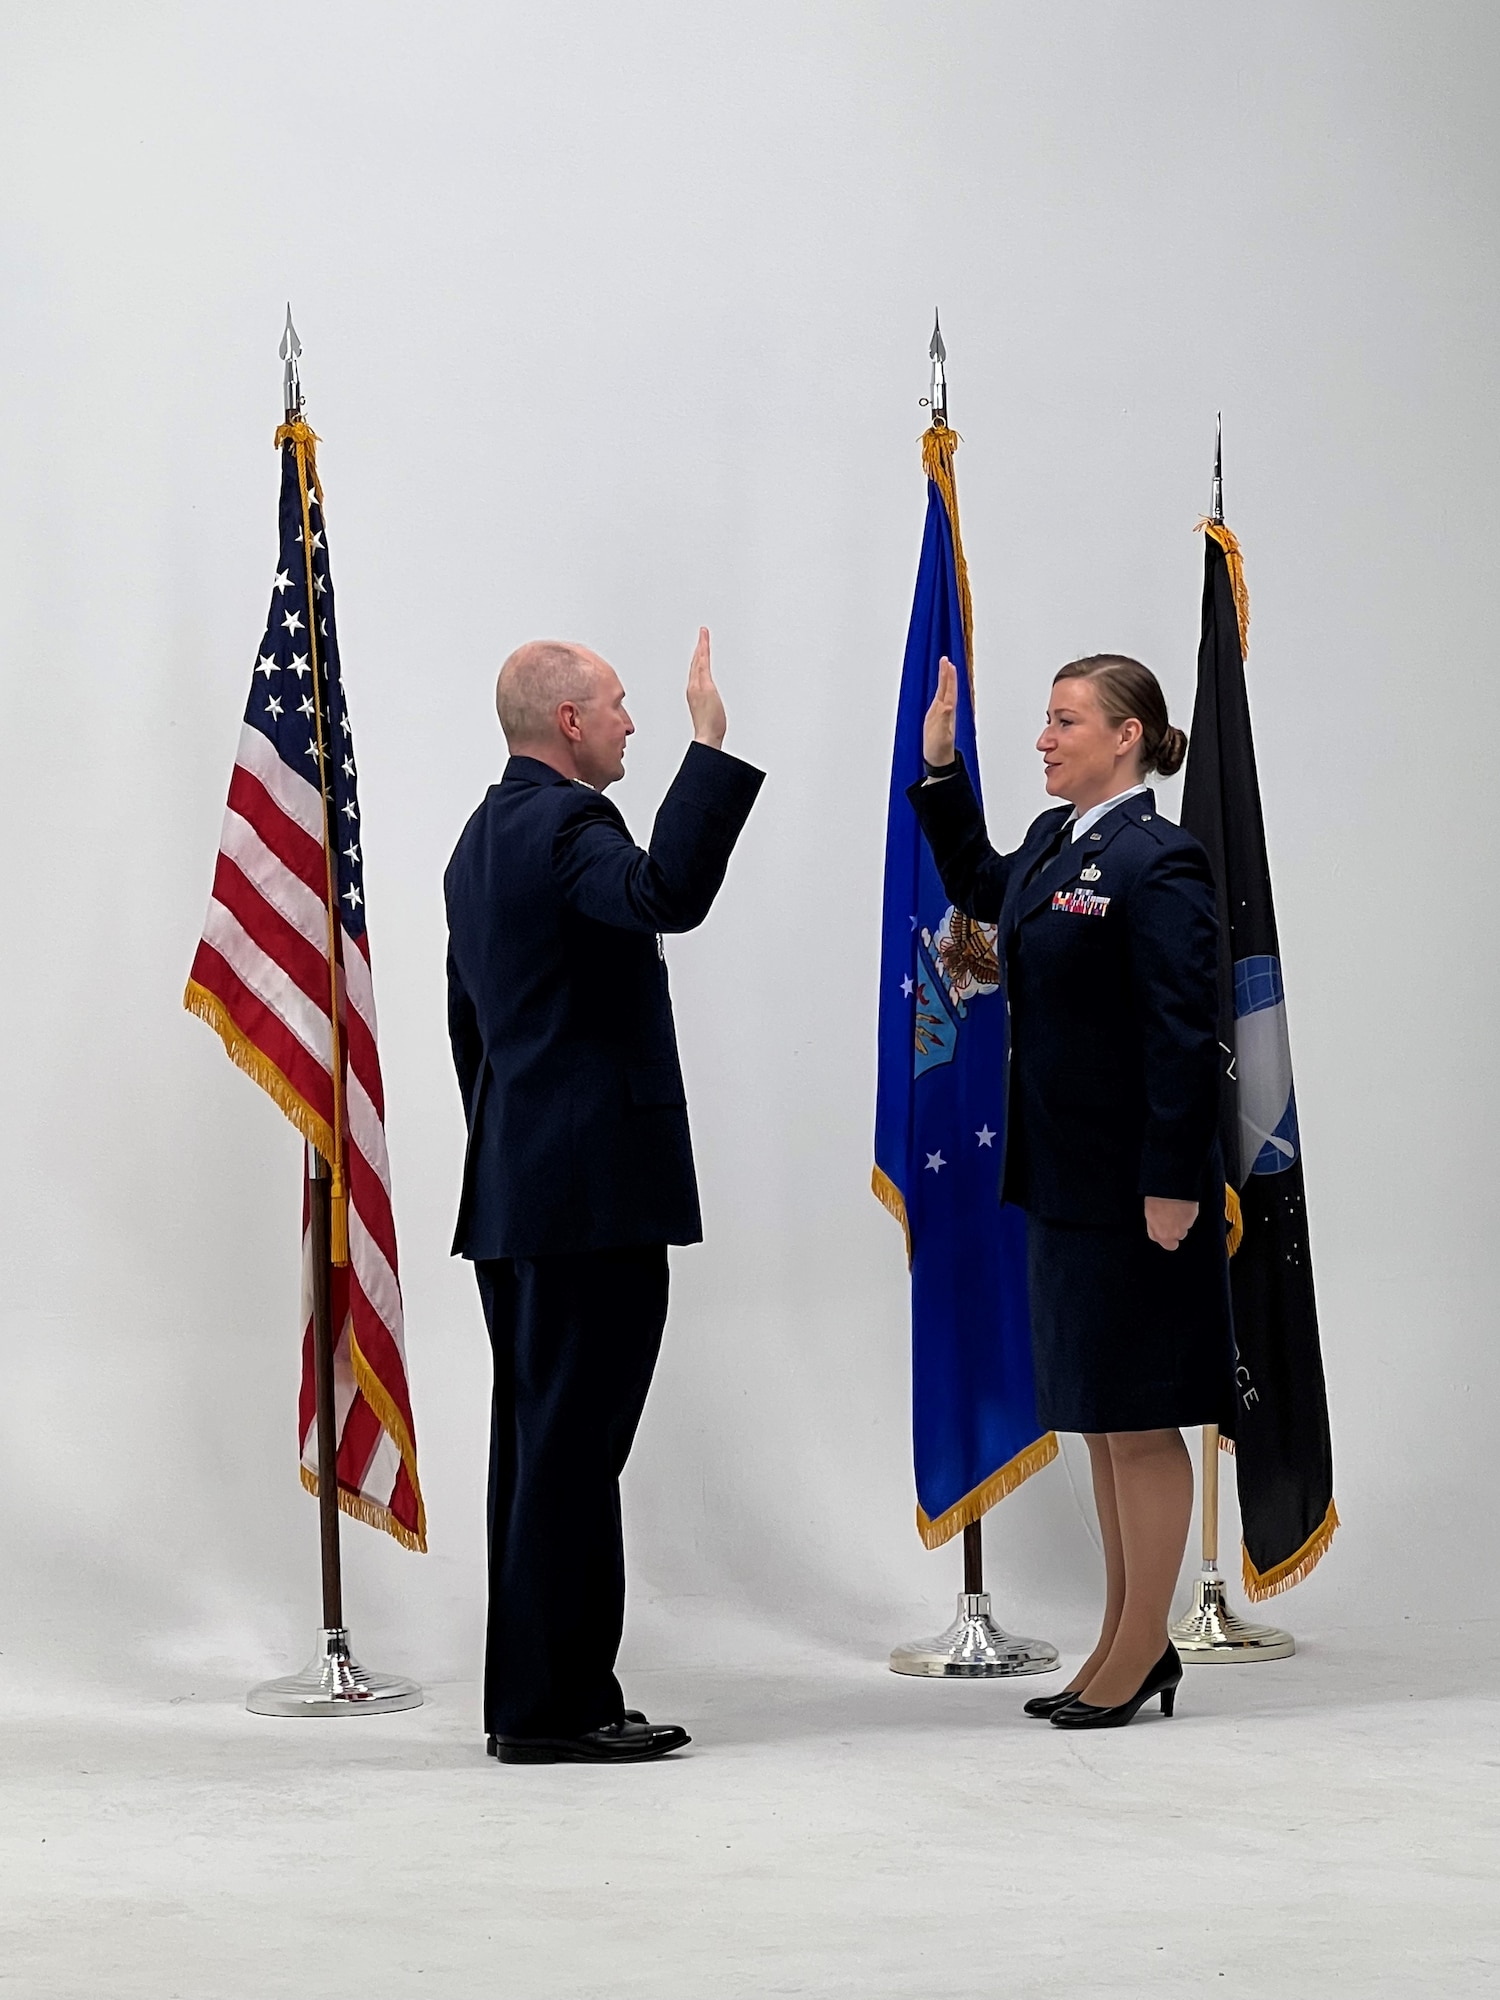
[
  {"x": 627, "y": 1742},
  {"x": 492, "y": 1743},
  {"x": 1044, "y": 1705},
  {"x": 1162, "y": 1680}
]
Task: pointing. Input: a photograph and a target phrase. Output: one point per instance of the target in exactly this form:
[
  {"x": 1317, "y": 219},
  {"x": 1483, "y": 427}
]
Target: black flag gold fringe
[{"x": 1260, "y": 1585}]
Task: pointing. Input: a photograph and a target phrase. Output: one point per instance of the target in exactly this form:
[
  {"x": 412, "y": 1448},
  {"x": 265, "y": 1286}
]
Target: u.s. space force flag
[
  {"x": 940, "y": 1102},
  {"x": 1279, "y": 1424}
]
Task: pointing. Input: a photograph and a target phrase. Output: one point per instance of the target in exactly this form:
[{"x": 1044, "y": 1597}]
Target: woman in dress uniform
[{"x": 1109, "y": 942}]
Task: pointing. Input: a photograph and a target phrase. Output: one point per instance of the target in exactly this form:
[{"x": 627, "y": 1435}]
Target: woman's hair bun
[{"x": 1171, "y": 751}]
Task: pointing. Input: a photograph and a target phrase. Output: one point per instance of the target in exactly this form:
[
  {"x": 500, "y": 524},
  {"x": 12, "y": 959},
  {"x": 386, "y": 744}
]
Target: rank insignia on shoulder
[
  {"x": 1080, "y": 903},
  {"x": 1089, "y": 874}
]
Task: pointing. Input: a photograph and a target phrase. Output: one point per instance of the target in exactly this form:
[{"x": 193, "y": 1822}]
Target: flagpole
[
  {"x": 974, "y": 1646},
  {"x": 321, "y": 1182},
  {"x": 334, "y": 1682},
  {"x": 318, "y": 1215},
  {"x": 1210, "y": 1633}
]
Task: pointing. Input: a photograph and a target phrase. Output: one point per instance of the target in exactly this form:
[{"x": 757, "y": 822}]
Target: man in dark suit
[{"x": 579, "y": 1170}]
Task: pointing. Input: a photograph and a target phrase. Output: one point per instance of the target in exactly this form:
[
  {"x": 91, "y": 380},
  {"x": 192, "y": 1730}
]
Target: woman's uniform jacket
[
  {"x": 1109, "y": 961},
  {"x": 558, "y": 1008}
]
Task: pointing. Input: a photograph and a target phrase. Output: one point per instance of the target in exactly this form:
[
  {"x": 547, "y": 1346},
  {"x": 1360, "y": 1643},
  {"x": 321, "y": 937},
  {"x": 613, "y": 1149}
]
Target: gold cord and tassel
[
  {"x": 939, "y": 443},
  {"x": 1234, "y": 1218},
  {"x": 1227, "y": 541},
  {"x": 304, "y": 441},
  {"x": 890, "y": 1196}
]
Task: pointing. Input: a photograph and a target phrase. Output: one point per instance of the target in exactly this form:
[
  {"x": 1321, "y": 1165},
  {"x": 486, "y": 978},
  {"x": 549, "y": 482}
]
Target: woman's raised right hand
[{"x": 937, "y": 728}]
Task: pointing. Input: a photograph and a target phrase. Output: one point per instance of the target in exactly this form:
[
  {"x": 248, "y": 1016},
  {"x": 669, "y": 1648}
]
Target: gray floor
[{"x": 1323, "y": 1826}]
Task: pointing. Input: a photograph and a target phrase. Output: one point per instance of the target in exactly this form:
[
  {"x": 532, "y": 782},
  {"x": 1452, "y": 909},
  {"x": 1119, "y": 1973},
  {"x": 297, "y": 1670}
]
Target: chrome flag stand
[
  {"x": 974, "y": 1647},
  {"x": 1210, "y": 1633}
]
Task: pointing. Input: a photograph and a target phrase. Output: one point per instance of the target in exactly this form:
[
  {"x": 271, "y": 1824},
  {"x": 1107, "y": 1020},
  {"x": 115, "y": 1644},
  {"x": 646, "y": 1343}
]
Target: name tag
[{"x": 1080, "y": 903}]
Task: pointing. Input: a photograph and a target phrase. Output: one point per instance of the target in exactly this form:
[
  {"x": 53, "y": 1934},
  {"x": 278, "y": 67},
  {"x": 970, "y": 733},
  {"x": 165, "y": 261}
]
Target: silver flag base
[
  {"x": 974, "y": 1648},
  {"x": 1211, "y": 1635},
  {"x": 334, "y": 1684}
]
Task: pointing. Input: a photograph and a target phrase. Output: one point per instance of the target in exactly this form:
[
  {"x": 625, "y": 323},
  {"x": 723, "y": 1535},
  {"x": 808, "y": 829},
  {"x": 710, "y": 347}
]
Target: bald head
[
  {"x": 564, "y": 705},
  {"x": 536, "y": 679}
]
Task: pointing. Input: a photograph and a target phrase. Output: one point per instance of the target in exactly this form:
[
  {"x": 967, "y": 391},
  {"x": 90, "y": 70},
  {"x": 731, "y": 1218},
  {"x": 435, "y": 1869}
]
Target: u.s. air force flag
[{"x": 940, "y": 1101}]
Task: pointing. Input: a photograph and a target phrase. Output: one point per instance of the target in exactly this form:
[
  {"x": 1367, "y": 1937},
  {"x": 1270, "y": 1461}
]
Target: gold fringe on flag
[
  {"x": 391, "y": 1420},
  {"x": 258, "y": 1066},
  {"x": 358, "y": 1508},
  {"x": 1258, "y": 1587},
  {"x": 978, "y": 1503},
  {"x": 1228, "y": 543}
]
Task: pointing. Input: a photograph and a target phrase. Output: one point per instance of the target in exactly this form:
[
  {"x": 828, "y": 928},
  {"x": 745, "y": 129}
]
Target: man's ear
[{"x": 567, "y": 721}]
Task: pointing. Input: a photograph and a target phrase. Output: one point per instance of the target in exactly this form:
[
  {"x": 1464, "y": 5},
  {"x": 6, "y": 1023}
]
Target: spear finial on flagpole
[
  {"x": 937, "y": 395},
  {"x": 1216, "y": 510},
  {"x": 291, "y": 378}
]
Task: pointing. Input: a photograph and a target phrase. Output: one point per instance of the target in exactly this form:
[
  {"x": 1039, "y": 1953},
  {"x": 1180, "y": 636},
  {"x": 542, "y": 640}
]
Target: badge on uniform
[
  {"x": 1080, "y": 903},
  {"x": 1089, "y": 874}
]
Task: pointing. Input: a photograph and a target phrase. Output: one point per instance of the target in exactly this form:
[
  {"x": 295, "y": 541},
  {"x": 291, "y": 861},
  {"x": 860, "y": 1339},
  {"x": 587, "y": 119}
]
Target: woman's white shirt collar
[{"x": 1081, "y": 822}]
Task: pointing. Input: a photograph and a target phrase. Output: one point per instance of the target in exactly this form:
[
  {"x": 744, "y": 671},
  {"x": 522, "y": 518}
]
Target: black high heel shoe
[
  {"x": 1162, "y": 1680},
  {"x": 1044, "y": 1705}
]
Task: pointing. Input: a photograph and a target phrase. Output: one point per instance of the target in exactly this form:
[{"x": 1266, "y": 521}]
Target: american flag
[{"x": 261, "y": 980}]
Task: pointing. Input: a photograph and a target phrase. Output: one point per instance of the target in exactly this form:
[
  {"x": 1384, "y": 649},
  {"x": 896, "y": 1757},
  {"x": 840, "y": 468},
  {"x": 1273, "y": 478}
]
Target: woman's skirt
[{"x": 1126, "y": 1336}]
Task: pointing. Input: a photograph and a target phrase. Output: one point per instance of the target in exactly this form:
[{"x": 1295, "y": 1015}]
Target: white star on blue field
[{"x": 281, "y": 704}]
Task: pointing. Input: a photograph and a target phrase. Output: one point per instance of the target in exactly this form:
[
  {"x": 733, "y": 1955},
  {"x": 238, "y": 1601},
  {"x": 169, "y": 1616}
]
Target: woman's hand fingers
[{"x": 938, "y": 725}]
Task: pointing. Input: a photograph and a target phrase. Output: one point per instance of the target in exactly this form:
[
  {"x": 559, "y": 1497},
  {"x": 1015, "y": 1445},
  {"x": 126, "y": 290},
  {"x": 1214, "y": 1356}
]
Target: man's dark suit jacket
[
  {"x": 558, "y": 1009},
  {"x": 1114, "y": 1075}
]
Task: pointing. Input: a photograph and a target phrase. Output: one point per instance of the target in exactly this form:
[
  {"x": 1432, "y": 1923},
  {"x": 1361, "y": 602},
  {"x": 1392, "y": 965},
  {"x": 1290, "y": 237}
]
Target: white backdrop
[{"x": 615, "y": 320}]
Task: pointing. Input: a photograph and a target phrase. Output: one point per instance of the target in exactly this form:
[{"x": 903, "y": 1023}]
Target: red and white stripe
[{"x": 261, "y": 978}]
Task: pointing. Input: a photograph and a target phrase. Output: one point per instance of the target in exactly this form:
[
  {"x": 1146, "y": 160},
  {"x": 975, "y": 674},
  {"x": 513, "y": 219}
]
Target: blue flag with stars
[{"x": 940, "y": 1100}]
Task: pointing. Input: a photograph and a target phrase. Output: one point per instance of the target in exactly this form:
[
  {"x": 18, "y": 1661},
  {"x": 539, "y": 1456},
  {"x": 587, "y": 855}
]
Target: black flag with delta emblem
[{"x": 1279, "y": 1424}]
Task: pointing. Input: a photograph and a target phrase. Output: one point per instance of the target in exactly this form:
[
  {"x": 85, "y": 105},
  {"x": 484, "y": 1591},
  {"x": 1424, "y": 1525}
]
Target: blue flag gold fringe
[{"x": 985, "y": 1351}]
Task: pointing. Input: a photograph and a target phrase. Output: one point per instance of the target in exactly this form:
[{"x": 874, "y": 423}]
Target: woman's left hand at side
[{"x": 1167, "y": 1222}]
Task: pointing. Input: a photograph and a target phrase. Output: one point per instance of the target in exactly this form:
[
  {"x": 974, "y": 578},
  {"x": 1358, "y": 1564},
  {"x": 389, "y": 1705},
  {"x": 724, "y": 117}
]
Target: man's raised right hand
[{"x": 705, "y": 703}]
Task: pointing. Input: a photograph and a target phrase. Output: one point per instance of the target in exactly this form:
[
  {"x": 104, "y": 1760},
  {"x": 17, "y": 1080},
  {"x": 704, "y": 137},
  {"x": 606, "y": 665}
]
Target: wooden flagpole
[
  {"x": 327, "y": 1214},
  {"x": 318, "y": 1209}
]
